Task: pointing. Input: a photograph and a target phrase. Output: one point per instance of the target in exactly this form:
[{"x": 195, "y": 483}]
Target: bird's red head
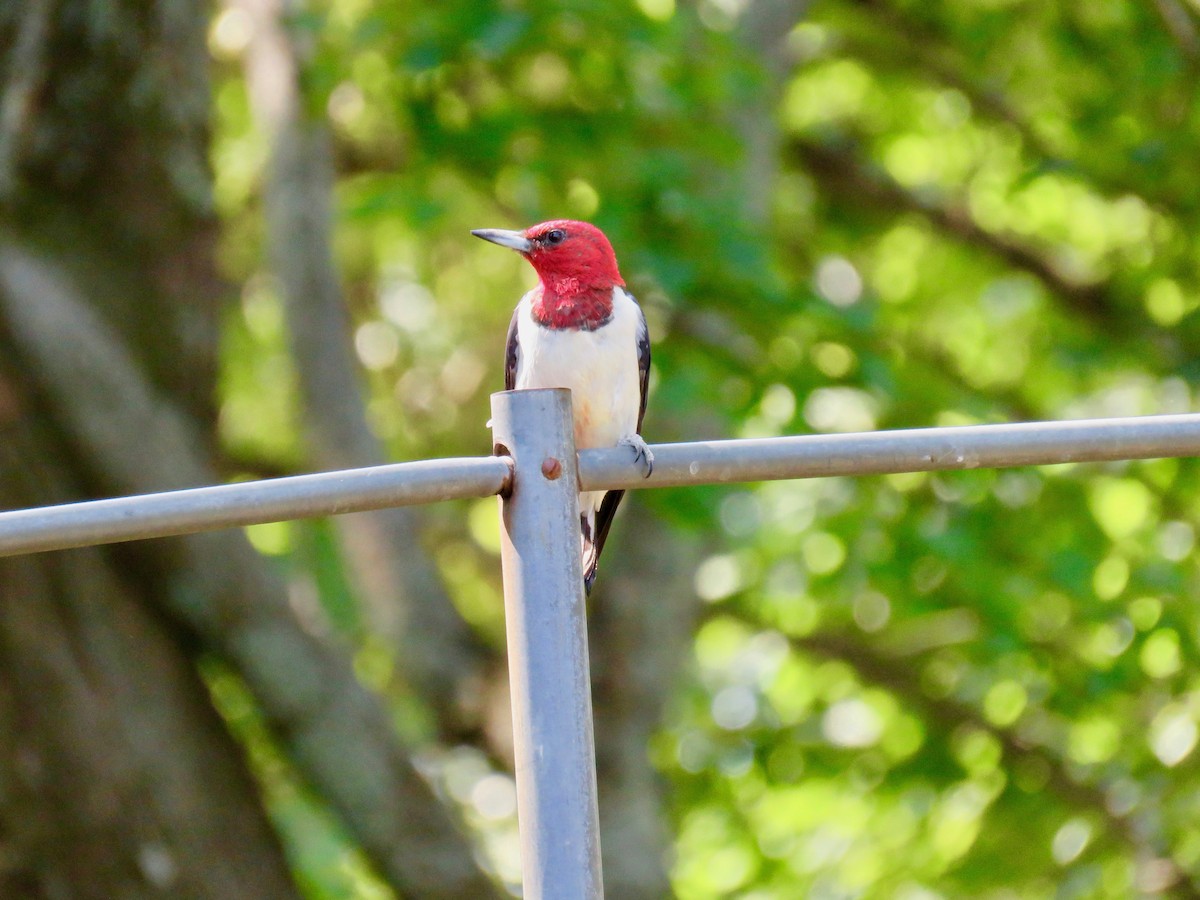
[
  {"x": 576, "y": 266},
  {"x": 563, "y": 250}
]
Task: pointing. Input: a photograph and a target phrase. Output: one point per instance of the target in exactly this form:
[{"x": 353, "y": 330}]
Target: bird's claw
[{"x": 641, "y": 452}]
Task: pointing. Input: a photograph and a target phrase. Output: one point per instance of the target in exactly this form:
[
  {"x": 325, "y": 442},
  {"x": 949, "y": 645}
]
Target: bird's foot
[{"x": 641, "y": 452}]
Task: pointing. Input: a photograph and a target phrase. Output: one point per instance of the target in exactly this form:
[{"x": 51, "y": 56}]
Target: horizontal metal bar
[
  {"x": 249, "y": 503},
  {"x": 701, "y": 462},
  {"x": 881, "y": 452}
]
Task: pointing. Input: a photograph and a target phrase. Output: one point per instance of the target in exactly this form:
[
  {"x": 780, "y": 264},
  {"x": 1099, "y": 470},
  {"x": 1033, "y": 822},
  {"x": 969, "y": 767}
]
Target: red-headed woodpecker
[{"x": 580, "y": 329}]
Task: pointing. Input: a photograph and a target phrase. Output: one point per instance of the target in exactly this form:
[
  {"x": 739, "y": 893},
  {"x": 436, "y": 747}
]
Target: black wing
[
  {"x": 608, "y": 506},
  {"x": 512, "y": 353},
  {"x": 643, "y": 352},
  {"x": 592, "y": 548}
]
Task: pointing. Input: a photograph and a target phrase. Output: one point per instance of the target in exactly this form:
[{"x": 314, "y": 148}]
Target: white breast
[{"x": 600, "y": 367}]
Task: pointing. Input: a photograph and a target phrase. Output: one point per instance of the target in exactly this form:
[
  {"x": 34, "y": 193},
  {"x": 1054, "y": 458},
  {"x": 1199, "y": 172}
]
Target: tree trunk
[
  {"x": 643, "y": 614},
  {"x": 117, "y": 778},
  {"x": 396, "y": 581}
]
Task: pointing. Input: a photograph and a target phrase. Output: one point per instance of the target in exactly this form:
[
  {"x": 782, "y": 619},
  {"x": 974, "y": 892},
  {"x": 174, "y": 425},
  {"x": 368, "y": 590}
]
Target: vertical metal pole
[{"x": 547, "y": 648}]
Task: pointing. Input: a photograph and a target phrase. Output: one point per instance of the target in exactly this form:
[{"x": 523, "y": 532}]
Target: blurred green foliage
[{"x": 955, "y": 685}]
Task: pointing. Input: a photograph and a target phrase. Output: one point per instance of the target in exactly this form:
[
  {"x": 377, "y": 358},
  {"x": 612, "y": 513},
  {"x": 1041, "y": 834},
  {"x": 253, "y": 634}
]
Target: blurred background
[{"x": 234, "y": 244}]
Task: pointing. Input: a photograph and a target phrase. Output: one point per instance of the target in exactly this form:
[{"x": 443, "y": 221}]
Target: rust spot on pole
[{"x": 551, "y": 468}]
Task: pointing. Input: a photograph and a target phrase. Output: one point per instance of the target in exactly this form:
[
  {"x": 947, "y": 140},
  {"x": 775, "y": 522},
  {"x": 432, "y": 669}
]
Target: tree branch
[
  {"x": 397, "y": 580},
  {"x": 1180, "y": 27},
  {"x": 24, "y": 76},
  {"x": 763, "y": 30},
  {"x": 848, "y": 176},
  {"x": 932, "y": 53}
]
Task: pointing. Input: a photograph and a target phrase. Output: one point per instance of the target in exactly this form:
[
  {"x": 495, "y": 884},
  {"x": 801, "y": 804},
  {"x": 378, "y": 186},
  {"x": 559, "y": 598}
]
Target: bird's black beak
[{"x": 515, "y": 240}]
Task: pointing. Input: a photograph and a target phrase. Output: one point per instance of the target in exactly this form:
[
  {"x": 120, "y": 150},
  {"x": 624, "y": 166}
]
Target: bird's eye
[{"x": 555, "y": 236}]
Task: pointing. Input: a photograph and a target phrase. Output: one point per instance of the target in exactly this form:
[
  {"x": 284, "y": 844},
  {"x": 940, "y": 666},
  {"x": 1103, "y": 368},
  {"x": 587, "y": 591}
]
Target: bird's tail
[
  {"x": 594, "y": 525},
  {"x": 591, "y": 552}
]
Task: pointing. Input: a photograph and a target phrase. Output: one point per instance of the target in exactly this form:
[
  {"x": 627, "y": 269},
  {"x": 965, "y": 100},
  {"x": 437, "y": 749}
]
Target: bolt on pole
[{"x": 547, "y": 647}]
